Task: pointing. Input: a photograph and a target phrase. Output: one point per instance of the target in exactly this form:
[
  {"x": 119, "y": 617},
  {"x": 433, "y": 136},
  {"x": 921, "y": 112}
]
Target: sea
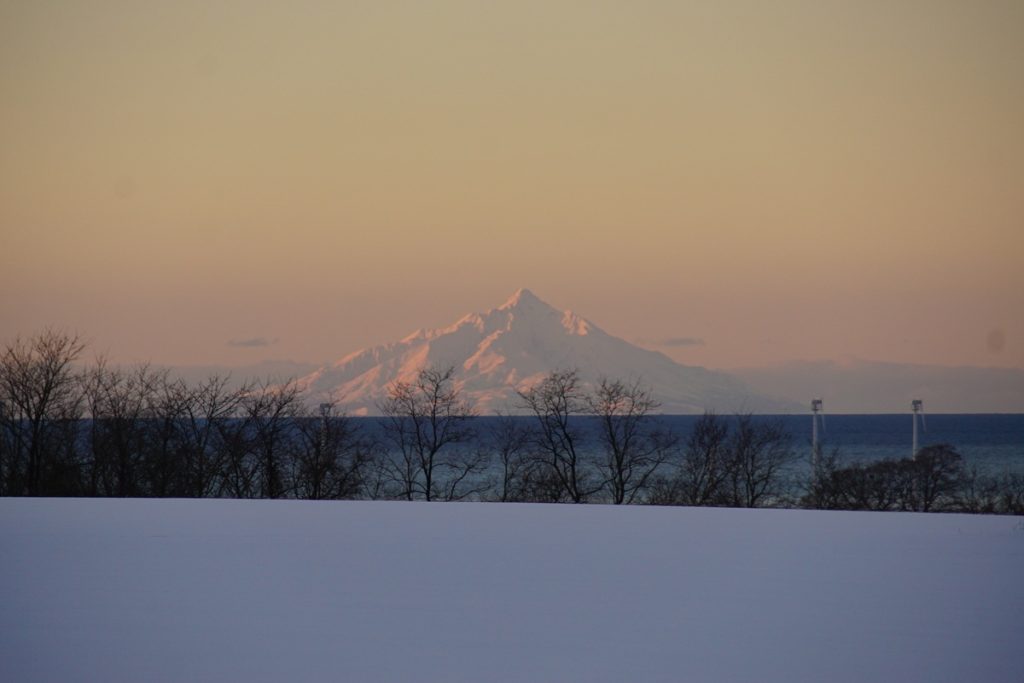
[{"x": 994, "y": 443}]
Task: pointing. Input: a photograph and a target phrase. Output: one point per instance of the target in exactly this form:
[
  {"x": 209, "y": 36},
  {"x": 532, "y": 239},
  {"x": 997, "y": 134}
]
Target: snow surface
[
  {"x": 513, "y": 347},
  {"x": 210, "y": 590}
]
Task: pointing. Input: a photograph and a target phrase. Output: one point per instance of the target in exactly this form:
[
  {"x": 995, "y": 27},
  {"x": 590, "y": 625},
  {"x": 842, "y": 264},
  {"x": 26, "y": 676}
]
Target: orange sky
[{"x": 780, "y": 180}]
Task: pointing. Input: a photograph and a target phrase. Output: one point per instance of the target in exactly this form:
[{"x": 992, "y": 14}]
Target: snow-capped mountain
[{"x": 513, "y": 347}]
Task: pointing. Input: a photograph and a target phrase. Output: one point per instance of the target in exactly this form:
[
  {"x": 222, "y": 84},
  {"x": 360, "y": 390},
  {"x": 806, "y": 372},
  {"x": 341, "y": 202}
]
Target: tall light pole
[
  {"x": 325, "y": 413},
  {"x": 917, "y": 405},
  {"x": 816, "y": 407}
]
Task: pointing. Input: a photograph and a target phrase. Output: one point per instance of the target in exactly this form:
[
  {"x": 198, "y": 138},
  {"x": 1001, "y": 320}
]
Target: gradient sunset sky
[{"x": 733, "y": 183}]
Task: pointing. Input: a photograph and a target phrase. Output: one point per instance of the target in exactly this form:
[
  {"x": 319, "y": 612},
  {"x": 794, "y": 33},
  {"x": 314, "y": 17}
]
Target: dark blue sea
[{"x": 992, "y": 442}]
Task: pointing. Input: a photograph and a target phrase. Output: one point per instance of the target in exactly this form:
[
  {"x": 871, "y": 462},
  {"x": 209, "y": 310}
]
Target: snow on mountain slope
[{"x": 513, "y": 347}]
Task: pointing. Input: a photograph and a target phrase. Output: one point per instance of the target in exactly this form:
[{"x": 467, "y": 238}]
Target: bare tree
[
  {"x": 333, "y": 457},
  {"x": 821, "y": 489},
  {"x": 557, "y": 438},
  {"x": 934, "y": 479},
  {"x": 633, "y": 448},
  {"x": 1011, "y": 497},
  {"x": 10, "y": 455},
  {"x": 978, "y": 492},
  {"x": 723, "y": 466},
  {"x": 204, "y": 409},
  {"x": 509, "y": 440},
  {"x": 237, "y": 456},
  {"x": 120, "y": 404},
  {"x": 41, "y": 394},
  {"x": 879, "y": 485},
  {"x": 759, "y": 453},
  {"x": 270, "y": 411},
  {"x": 169, "y": 445},
  {"x": 938, "y": 476},
  {"x": 706, "y": 463},
  {"x": 428, "y": 423}
]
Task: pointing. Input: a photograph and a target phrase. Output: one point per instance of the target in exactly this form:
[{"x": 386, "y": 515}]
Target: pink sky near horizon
[{"x": 735, "y": 184}]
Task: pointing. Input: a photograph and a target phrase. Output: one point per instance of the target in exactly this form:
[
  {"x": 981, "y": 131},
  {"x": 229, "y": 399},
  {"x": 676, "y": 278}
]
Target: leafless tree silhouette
[
  {"x": 121, "y": 404},
  {"x": 759, "y": 453},
  {"x": 333, "y": 457},
  {"x": 41, "y": 394},
  {"x": 429, "y": 425},
  {"x": 633, "y": 448},
  {"x": 557, "y": 438}
]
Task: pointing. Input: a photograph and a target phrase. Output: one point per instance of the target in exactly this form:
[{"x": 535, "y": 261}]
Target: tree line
[{"x": 104, "y": 430}]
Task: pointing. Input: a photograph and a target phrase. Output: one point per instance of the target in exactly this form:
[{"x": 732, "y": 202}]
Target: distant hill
[
  {"x": 860, "y": 386},
  {"x": 512, "y": 347},
  {"x": 278, "y": 371}
]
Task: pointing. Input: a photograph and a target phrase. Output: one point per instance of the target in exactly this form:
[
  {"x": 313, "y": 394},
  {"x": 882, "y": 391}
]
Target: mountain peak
[
  {"x": 505, "y": 350},
  {"x": 522, "y": 298}
]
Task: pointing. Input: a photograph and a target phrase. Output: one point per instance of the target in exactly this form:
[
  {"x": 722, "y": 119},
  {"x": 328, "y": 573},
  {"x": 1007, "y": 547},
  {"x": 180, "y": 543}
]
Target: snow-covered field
[{"x": 173, "y": 590}]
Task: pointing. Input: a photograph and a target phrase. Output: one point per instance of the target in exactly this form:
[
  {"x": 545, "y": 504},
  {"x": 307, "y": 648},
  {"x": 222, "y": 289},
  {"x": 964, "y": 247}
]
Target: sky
[{"x": 733, "y": 183}]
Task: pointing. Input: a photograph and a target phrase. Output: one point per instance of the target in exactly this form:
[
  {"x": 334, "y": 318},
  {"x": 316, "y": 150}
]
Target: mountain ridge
[{"x": 513, "y": 347}]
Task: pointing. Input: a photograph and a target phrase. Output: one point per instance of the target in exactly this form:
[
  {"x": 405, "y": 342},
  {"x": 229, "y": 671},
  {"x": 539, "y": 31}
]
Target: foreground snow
[{"x": 158, "y": 590}]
